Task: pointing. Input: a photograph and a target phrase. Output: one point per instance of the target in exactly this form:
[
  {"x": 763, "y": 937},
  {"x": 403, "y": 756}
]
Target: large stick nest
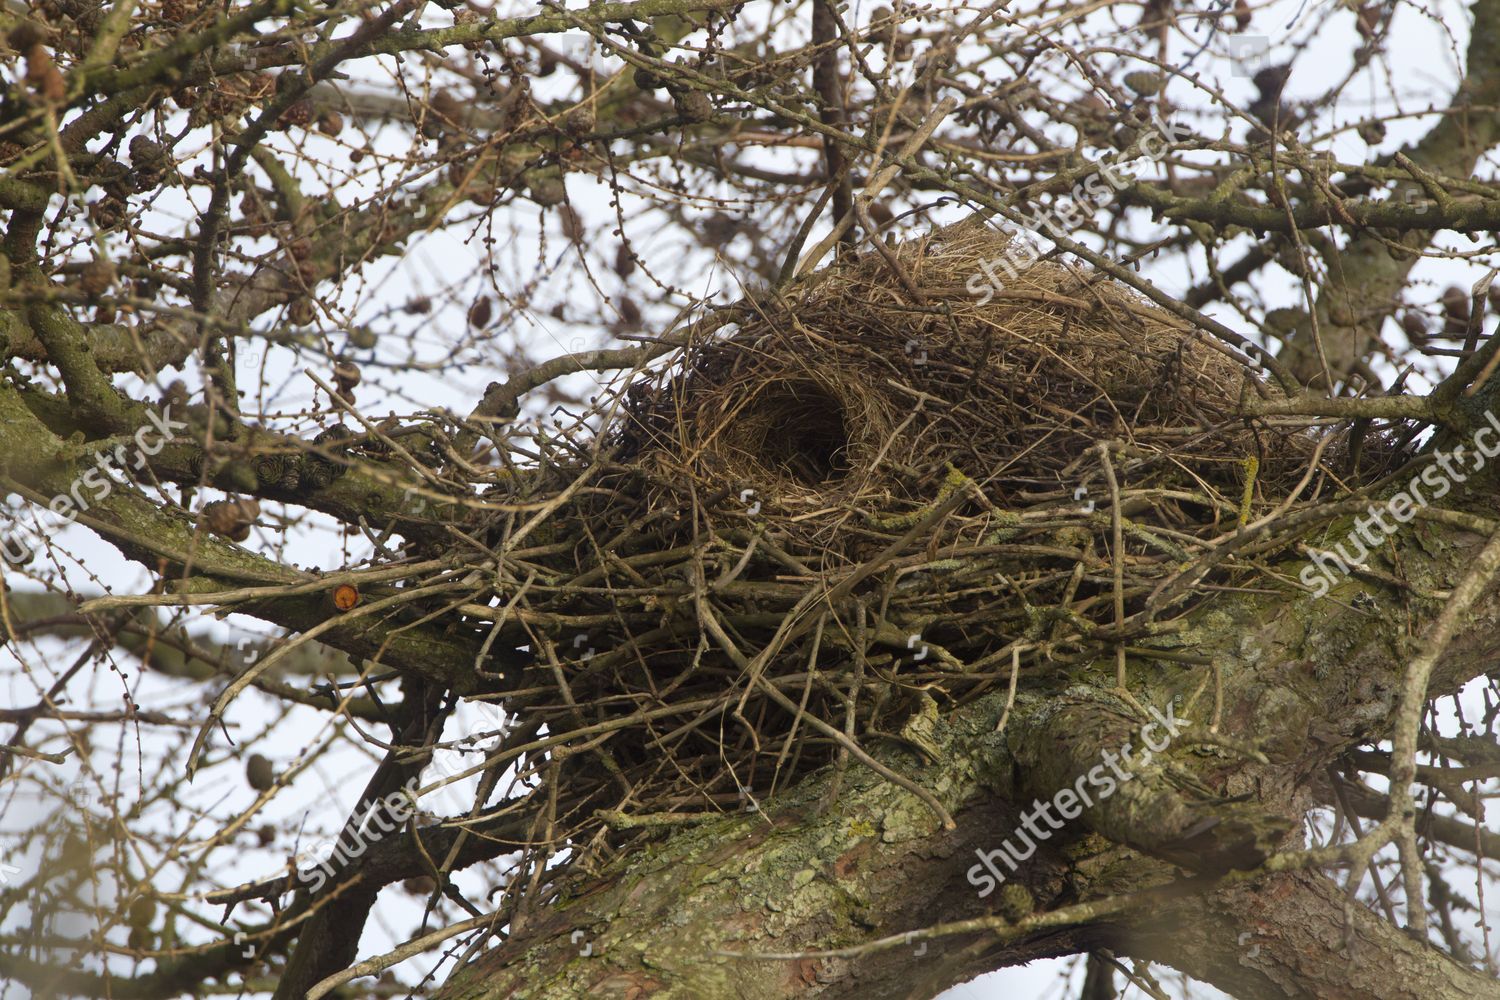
[{"x": 868, "y": 500}]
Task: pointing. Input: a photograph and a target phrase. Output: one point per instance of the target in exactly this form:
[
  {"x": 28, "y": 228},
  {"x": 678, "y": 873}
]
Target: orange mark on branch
[{"x": 345, "y": 596}]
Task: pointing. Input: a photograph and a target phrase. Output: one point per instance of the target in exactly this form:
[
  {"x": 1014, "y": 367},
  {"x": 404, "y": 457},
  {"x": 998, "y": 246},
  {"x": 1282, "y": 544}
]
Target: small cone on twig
[
  {"x": 231, "y": 518},
  {"x": 259, "y": 772},
  {"x": 1455, "y": 311}
]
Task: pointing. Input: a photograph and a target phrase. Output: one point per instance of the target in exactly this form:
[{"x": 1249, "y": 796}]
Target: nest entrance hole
[{"x": 797, "y": 429}]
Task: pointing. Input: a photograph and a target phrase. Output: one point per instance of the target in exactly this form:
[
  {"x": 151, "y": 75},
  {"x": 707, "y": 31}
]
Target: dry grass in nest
[
  {"x": 872, "y": 493},
  {"x": 859, "y": 392}
]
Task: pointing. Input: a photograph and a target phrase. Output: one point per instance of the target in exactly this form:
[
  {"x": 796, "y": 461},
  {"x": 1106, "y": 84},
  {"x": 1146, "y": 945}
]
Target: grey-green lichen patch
[
  {"x": 906, "y": 818},
  {"x": 1215, "y": 623},
  {"x": 1015, "y": 902}
]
